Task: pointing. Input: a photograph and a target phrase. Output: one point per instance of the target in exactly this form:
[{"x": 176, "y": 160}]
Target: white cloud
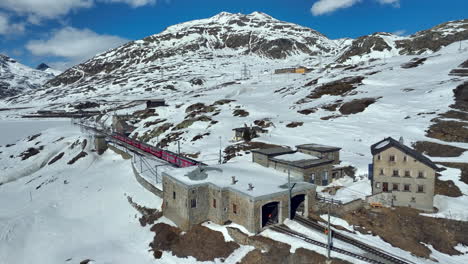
[
  {"x": 44, "y": 8},
  {"x": 74, "y": 45},
  {"x": 401, "y": 32},
  {"x": 132, "y": 3},
  {"x": 9, "y": 28},
  {"x": 322, "y": 7},
  {"x": 396, "y": 3}
]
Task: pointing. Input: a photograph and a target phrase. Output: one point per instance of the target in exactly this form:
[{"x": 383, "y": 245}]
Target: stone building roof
[
  {"x": 303, "y": 162},
  {"x": 274, "y": 151},
  {"x": 266, "y": 182},
  {"x": 318, "y": 147},
  {"x": 390, "y": 142}
]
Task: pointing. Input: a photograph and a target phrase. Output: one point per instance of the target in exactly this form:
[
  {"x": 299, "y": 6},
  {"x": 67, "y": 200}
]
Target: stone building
[
  {"x": 311, "y": 162},
  {"x": 403, "y": 174},
  {"x": 253, "y": 132},
  {"x": 241, "y": 192}
]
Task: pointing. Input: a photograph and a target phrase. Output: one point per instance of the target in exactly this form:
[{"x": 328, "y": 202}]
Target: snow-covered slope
[
  {"x": 16, "y": 78},
  {"x": 46, "y": 68}
]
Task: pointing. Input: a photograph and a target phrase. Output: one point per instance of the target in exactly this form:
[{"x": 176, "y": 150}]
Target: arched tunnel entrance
[
  {"x": 270, "y": 212},
  {"x": 297, "y": 204}
]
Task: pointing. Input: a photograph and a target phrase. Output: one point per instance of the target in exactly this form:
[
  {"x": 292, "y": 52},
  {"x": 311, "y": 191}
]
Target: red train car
[{"x": 171, "y": 157}]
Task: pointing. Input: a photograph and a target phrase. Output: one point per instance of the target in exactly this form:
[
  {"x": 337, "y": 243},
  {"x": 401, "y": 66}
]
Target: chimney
[
  {"x": 234, "y": 181},
  {"x": 251, "y": 187},
  {"x": 401, "y": 140}
]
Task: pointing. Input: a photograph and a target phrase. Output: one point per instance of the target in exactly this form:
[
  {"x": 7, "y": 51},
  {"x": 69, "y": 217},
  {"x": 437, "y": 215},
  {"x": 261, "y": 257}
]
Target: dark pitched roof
[
  {"x": 255, "y": 128},
  {"x": 390, "y": 142},
  {"x": 318, "y": 147},
  {"x": 304, "y": 164},
  {"x": 274, "y": 151}
]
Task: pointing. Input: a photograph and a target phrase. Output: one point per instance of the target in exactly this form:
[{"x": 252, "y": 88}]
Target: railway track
[
  {"x": 372, "y": 250},
  {"x": 287, "y": 231}
]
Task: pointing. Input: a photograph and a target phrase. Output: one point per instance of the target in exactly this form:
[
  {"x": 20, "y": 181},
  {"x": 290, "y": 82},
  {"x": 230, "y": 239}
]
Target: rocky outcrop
[
  {"x": 366, "y": 45},
  {"x": 356, "y": 106}
]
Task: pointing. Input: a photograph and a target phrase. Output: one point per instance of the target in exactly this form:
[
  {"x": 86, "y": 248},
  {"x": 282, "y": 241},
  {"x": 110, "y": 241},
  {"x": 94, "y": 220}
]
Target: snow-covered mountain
[
  {"x": 16, "y": 78},
  {"x": 46, "y": 68}
]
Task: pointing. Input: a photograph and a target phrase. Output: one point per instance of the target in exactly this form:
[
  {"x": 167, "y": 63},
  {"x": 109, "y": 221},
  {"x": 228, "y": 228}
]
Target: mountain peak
[{"x": 42, "y": 67}]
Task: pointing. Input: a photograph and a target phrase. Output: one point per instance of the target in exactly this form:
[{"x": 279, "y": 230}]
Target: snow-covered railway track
[
  {"x": 372, "y": 250},
  {"x": 287, "y": 231}
]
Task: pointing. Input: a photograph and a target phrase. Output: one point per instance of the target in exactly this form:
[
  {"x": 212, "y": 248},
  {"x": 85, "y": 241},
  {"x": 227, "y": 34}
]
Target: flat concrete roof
[
  {"x": 318, "y": 147},
  {"x": 267, "y": 182},
  {"x": 303, "y": 163},
  {"x": 274, "y": 151}
]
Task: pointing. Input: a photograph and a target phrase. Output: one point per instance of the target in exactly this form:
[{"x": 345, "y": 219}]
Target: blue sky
[{"x": 65, "y": 32}]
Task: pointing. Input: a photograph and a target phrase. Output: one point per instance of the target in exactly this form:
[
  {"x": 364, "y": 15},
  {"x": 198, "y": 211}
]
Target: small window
[
  {"x": 214, "y": 203},
  {"x": 193, "y": 191},
  {"x": 325, "y": 175},
  {"x": 405, "y": 158},
  {"x": 420, "y": 188},
  {"x": 396, "y": 173},
  {"x": 173, "y": 195},
  {"x": 413, "y": 199},
  {"x": 420, "y": 174},
  {"x": 379, "y": 157},
  {"x": 193, "y": 203},
  {"x": 395, "y": 187},
  {"x": 381, "y": 172},
  {"x": 407, "y": 187},
  {"x": 234, "y": 208},
  {"x": 392, "y": 158},
  {"x": 377, "y": 185},
  {"x": 407, "y": 173}
]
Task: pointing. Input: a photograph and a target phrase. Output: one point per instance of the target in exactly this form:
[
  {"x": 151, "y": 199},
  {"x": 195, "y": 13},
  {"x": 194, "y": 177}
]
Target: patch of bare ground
[
  {"x": 271, "y": 251},
  {"x": 188, "y": 122},
  {"x": 458, "y": 165},
  {"x": 240, "y": 113},
  {"x": 438, "y": 150},
  {"x": 169, "y": 138},
  {"x": 143, "y": 114},
  {"x": 310, "y": 83},
  {"x": 148, "y": 215},
  {"x": 56, "y": 158},
  {"x": 308, "y": 111},
  {"x": 200, "y": 107},
  {"x": 233, "y": 150},
  {"x": 461, "y": 97},
  {"x": 82, "y": 154},
  {"x": 330, "y": 117},
  {"x": 199, "y": 136},
  {"x": 263, "y": 123},
  {"x": 155, "y": 122},
  {"x": 223, "y": 102},
  {"x": 155, "y": 132},
  {"x": 295, "y": 124},
  {"x": 199, "y": 242},
  {"x": 451, "y": 131},
  {"x": 356, "y": 105},
  {"x": 33, "y": 137},
  {"x": 338, "y": 87},
  {"x": 455, "y": 115},
  {"x": 413, "y": 63},
  {"x": 30, "y": 152},
  {"x": 407, "y": 229}
]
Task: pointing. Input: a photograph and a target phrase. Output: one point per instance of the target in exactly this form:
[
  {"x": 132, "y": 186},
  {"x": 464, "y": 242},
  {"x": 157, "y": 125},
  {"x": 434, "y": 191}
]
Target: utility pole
[
  {"x": 245, "y": 72},
  {"x": 219, "y": 160},
  {"x": 329, "y": 237},
  {"x": 289, "y": 188}
]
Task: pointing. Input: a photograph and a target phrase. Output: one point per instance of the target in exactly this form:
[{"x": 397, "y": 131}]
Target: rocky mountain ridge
[{"x": 16, "y": 78}]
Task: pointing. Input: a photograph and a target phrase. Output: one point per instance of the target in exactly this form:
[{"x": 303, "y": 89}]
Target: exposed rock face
[
  {"x": 367, "y": 44},
  {"x": 435, "y": 38},
  {"x": 426, "y": 41},
  {"x": 356, "y": 106}
]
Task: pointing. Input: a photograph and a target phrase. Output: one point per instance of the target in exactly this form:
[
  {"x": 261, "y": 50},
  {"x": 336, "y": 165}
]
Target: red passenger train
[{"x": 166, "y": 155}]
